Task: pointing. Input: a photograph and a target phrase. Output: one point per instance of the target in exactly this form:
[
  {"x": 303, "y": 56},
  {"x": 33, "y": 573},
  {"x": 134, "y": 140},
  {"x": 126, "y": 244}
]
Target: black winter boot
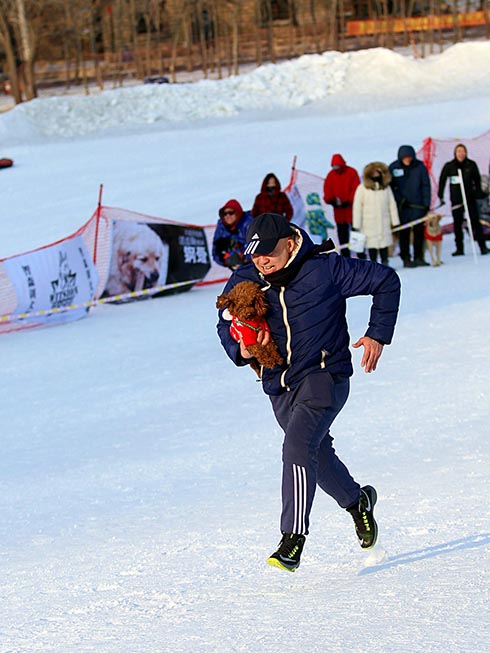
[
  {"x": 288, "y": 553},
  {"x": 363, "y": 515}
]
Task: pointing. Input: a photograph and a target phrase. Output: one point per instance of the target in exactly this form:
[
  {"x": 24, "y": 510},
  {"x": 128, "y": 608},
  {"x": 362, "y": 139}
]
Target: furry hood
[{"x": 370, "y": 169}]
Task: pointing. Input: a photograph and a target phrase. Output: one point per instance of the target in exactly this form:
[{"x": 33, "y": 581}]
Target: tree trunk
[
  {"x": 93, "y": 47},
  {"x": 216, "y": 38},
  {"x": 314, "y": 26},
  {"x": 270, "y": 32},
  {"x": 27, "y": 51},
  {"x": 258, "y": 33},
  {"x": 8, "y": 46}
]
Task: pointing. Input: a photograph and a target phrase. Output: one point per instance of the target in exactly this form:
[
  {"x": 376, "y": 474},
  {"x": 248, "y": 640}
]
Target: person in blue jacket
[
  {"x": 306, "y": 291},
  {"x": 230, "y": 236},
  {"x": 411, "y": 186}
]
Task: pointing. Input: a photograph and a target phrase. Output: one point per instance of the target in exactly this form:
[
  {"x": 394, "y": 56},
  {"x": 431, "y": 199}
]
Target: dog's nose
[{"x": 153, "y": 276}]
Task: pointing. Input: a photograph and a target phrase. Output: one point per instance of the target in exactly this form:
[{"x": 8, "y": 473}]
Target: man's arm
[
  {"x": 355, "y": 277},
  {"x": 442, "y": 182}
]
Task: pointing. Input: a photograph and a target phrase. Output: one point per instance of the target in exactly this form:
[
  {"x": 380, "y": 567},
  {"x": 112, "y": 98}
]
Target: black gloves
[{"x": 233, "y": 261}]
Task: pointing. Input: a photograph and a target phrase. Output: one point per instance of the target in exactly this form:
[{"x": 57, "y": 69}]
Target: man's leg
[
  {"x": 458, "y": 215},
  {"x": 306, "y": 422},
  {"x": 343, "y": 232},
  {"x": 404, "y": 241},
  {"x": 418, "y": 242}
]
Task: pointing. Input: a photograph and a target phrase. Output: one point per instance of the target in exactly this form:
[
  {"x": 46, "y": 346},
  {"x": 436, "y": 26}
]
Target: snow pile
[{"x": 342, "y": 79}]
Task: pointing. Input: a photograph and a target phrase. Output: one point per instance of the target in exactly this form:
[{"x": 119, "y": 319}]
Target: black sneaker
[
  {"x": 420, "y": 263},
  {"x": 458, "y": 252},
  {"x": 288, "y": 552},
  {"x": 363, "y": 516}
]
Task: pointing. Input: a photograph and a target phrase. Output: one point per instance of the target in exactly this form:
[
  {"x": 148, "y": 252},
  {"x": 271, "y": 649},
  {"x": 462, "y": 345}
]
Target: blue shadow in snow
[{"x": 470, "y": 542}]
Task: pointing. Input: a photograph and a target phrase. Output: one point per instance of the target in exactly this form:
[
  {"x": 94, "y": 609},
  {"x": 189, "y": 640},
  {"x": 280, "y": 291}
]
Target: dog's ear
[
  {"x": 222, "y": 301},
  {"x": 260, "y": 303}
]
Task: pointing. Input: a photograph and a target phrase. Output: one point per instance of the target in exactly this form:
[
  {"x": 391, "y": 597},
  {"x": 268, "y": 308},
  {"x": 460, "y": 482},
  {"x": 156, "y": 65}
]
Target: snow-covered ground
[{"x": 140, "y": 471}]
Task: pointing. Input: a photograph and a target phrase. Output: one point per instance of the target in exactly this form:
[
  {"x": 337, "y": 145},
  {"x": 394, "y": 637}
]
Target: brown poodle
[{"x": 247, "y": 306}]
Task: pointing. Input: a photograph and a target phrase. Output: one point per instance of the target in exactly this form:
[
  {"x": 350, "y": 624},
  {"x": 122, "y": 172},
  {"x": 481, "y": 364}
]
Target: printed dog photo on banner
[
  {"x": 139, "y": 259},
  {"x": 150, "y": 255},
  {"x": 188, "y": 258}
]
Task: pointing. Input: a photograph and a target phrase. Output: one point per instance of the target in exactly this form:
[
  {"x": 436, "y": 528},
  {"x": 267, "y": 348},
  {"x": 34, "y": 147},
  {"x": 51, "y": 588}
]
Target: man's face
[
  {"x": 460, "y": 154},
  {"x": 277, "y": 259},
  {"x": 407, "y": 160}
]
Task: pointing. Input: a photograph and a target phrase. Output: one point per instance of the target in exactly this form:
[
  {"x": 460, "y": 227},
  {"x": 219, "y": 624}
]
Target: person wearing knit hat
[{"x": 230, "y": 238}]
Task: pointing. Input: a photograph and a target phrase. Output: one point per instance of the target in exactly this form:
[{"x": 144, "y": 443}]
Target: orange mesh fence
[{"x": 97, "y": 236}]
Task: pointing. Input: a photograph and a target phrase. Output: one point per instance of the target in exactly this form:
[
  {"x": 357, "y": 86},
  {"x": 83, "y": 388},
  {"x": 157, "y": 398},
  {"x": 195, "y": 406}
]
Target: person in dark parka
[
  {"x": 472, "y": 188},
  {"x": 272, "y": 199},
  {"x": 306, "y": 291},
  {"x": 411, "y": 187}
]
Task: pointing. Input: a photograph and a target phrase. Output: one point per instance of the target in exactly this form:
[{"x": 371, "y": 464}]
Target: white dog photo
[{"x": 139, "y": 259}]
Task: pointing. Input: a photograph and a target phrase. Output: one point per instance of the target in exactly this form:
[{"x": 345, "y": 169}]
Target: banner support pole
[
  {"x": 97, "y": 220},
  {"x": 468, "y": 218}
]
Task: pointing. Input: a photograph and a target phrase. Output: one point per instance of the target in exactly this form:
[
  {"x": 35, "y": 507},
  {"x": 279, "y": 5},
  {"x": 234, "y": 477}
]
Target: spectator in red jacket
[
  {"x": 338, "y": 190},
  {"x": 271, "y": 199}
]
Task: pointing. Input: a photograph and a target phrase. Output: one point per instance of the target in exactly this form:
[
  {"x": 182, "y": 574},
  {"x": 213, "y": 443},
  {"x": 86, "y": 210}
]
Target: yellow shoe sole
[{"x": 273, "y": 562}]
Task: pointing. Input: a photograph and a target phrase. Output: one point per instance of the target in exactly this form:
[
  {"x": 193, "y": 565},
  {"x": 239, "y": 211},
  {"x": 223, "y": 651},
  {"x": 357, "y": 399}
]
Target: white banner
[
  {"x": 53, "y": 278},
  {"x": 305, "y": 192},
  {"x": 298, "y": 205}
]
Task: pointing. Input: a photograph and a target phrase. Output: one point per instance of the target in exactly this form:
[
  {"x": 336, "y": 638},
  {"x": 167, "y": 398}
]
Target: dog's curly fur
[{"x": 247, "y": 302}]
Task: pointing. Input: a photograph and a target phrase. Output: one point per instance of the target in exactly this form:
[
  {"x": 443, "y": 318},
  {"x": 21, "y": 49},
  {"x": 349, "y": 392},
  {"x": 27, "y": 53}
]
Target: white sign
[{"x": 53, "y": 277}]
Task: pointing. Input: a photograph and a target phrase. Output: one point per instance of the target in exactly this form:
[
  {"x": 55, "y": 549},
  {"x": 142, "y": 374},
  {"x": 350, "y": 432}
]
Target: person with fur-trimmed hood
[
  {"x": 272, "y": 199},
  {"x": 411, "y": 185},
  {"x": 338, "y": 190},
  {"x": 374, "y": 210},
  {"x": 230, "y": 236}
]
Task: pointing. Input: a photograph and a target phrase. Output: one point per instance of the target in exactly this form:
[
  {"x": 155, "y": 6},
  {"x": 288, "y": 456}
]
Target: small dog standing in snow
[
  {"x": 246, "y": 307},
  {"x": 433, "y": 237}
]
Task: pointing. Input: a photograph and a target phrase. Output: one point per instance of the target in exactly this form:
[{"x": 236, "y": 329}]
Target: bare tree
[{"x": 7, "y": 38}]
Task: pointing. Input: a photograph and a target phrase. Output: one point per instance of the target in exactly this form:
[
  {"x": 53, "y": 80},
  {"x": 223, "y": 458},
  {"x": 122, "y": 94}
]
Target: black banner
[{"x": 148, "y": 255}]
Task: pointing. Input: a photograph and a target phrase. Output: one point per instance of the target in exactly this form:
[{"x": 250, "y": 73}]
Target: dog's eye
[{"x": 143, "y": 259}]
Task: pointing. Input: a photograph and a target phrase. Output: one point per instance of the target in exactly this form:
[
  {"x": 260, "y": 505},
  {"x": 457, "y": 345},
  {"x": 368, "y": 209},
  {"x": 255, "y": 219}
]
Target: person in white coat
[{"x": 374, "y": 210}]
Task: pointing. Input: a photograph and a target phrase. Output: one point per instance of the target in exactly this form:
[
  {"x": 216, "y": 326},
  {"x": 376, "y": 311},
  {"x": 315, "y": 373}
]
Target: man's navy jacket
[{"x": 307, "y": 315}]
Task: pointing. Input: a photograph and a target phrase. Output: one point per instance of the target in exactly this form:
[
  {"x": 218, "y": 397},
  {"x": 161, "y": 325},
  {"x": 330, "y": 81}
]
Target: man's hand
[
  {"x": 372, "y": 352},
  {"x": 263, "y": 338}
]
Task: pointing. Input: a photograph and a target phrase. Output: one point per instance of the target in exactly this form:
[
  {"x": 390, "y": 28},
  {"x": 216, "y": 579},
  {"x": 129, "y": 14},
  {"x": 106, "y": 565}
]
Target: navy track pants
[{"x": 305, "y": 414}]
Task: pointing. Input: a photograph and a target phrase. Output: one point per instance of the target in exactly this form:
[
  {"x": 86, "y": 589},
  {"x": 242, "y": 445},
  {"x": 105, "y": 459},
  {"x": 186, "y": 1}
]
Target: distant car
[{"x": 157, "y": 79}]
